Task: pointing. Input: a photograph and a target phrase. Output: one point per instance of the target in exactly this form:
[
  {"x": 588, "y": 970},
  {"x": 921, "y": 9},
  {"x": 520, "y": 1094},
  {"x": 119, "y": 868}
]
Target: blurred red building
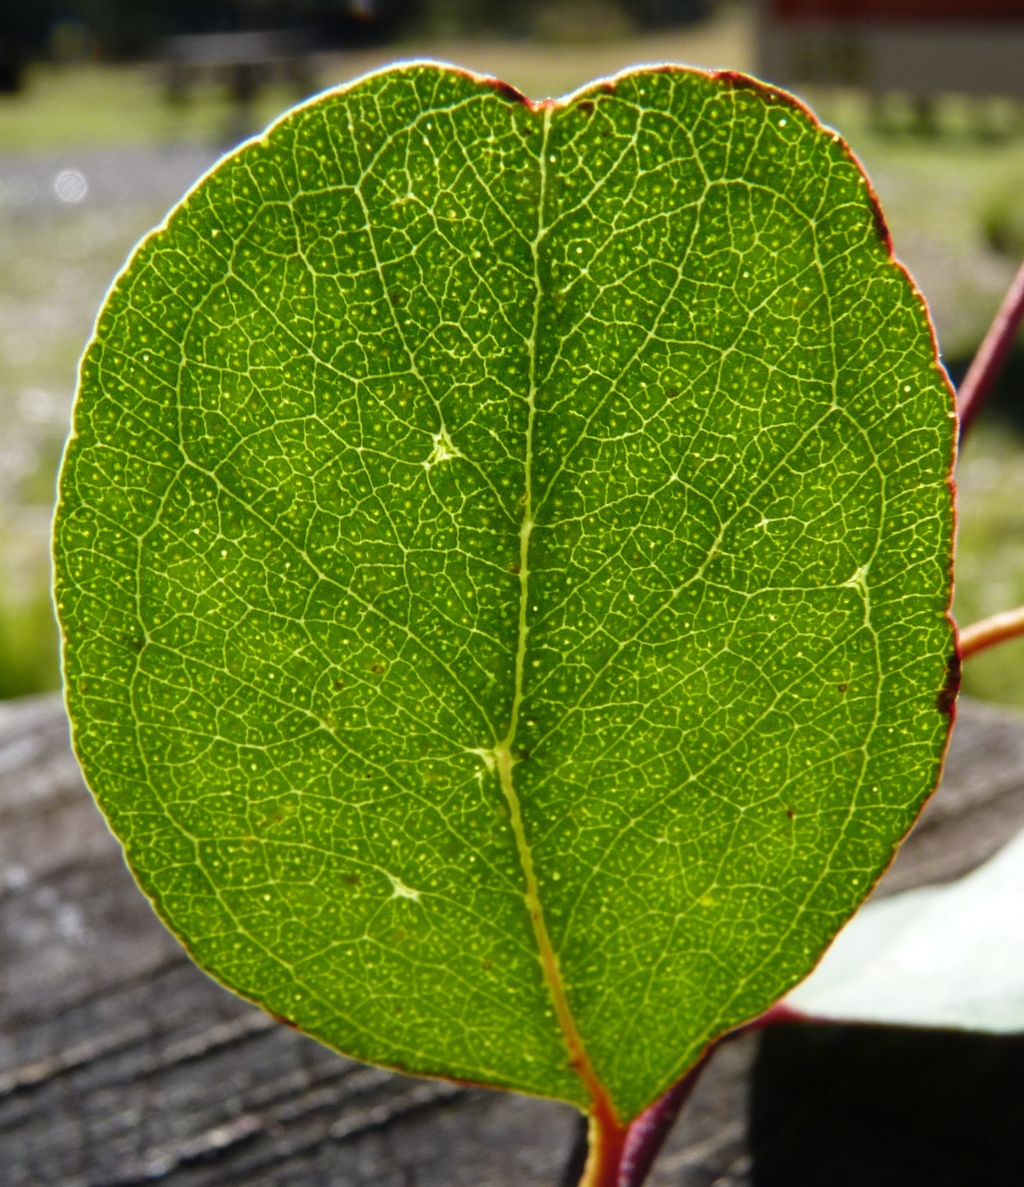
[{"x": 922, "y": 47}]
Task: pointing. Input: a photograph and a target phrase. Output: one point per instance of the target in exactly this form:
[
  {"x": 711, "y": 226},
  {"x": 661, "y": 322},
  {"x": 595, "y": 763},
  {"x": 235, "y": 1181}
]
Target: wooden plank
[{"x": 121, "y": 1063}]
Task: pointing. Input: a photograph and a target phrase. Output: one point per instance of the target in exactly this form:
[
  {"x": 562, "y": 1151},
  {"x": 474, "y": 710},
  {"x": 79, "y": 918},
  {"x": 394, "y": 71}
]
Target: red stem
[
  {"x": 647, "y": 1134},
  {"x": 988, "y": 362},
  {"x": 990, "y": 631},
  {"x": 607, "y": 1142}
]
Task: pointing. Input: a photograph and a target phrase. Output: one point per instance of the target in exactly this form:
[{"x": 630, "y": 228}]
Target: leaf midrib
[{"x": 505, "y": 759}]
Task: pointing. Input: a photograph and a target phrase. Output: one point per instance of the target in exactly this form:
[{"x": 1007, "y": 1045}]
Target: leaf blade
[{"x": 445, "y": 316}]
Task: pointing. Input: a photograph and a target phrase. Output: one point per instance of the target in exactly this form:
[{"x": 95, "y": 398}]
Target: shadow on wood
[{"x": 886, "y": 1106}]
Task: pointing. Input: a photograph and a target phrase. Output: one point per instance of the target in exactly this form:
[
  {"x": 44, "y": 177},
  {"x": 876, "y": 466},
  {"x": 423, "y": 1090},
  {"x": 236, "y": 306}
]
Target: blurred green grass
[
  {"x": 954, "y": 201},
  {"x": 28, "y": 645},
  {"x": 990, "y": 553},
  {"x": 97, "y": 106}
]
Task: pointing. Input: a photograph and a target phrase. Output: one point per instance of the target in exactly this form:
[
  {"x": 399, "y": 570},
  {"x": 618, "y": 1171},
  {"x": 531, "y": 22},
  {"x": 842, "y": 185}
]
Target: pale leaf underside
[{"x": 946, "y": 957}]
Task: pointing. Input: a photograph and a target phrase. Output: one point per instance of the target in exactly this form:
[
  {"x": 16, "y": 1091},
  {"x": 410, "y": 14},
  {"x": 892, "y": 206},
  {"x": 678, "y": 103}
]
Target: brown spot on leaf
[
  {"x": 339, "y": 683},
  {"x": 842, "y": 687},
  {"x": 486, "y": 965},
  {"x": 881, "y": 226},
  {"x": 743, "y": 82},
  {"x": 507, "y": 91},
  {"x": 946, "y": 700},
  {"x": 514, "y": 568}
]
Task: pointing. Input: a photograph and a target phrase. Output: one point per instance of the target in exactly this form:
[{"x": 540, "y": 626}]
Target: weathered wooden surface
[{"x": 121, "y": 1063}]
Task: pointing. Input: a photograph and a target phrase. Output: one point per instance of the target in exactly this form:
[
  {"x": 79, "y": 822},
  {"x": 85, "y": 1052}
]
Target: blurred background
[{"x": 109, "y": 109}]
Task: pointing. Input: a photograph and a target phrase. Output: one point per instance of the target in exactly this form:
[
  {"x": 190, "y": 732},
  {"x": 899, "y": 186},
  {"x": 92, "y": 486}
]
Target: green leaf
[{"x": 503, "y": 556}]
